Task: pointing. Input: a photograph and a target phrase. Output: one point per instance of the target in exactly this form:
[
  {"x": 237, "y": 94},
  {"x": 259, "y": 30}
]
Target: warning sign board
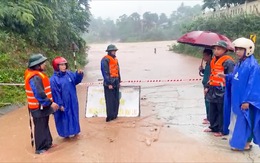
[
  {"x": 253, "y": 38},
  {"x": 129, "y": 102}
]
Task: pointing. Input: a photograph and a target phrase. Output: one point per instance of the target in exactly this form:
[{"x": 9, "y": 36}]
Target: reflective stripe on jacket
[
  {"x": 33, "y": 103},
  {"x": 113, "y": 67},
  {"x": 217, "y": 68}
]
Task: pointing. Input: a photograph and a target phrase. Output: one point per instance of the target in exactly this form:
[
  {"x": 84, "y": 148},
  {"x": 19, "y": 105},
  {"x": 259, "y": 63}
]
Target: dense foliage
[
  {"x": 215, "y": 4},
  {"x": 38, "y": 26},
  {"x": 146, "y": 27}
]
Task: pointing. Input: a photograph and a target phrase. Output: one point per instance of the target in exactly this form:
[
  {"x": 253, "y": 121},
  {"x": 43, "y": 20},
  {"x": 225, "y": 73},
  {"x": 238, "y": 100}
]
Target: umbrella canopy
[{"x": 204, "y": 39}]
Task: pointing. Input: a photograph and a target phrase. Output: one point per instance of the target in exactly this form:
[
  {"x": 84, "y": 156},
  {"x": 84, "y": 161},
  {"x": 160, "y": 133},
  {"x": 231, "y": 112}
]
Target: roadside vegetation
[{"x": 37, "y": 26}]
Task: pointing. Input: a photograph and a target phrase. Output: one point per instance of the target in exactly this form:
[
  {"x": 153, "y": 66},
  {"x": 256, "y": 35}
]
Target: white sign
[{"x": 129, "y": 102}]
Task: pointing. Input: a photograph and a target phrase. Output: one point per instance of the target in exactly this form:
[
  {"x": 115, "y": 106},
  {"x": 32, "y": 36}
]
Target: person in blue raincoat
[
  {"x": 243, "y": 98},
  {"x": 63, "y": 86}
]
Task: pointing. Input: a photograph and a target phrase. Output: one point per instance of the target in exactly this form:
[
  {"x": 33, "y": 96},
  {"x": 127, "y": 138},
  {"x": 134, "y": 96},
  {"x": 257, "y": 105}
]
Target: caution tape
[
  {"x": 127, "y": 81},
  {"x": 149, "y": 81},
  {"x": 161, "y": 81}
]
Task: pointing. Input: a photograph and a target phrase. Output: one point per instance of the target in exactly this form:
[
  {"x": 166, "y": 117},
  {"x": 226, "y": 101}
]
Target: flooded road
[{"x": 169, "y": 129}]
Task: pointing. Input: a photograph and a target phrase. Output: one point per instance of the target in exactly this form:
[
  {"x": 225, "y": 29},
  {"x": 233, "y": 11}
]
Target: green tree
[
  {"x": 163, "y": 18},
  {"x": 150, "y": 21},
  {"x": 45, "y": 26},
  {"x": 71, "y": 19},
  {"x": 52, "y": 23},
  {"x": 124, "y": 28},
  {"x": 214, "y": 4},
  {"x": 18, "y": 16},
  {"x": 135, "y": 20},
  {"x": 149, "y": 27}
]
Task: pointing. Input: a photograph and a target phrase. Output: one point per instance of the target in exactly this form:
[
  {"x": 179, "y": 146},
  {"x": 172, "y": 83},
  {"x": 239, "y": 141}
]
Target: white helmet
[{"x": 245, "y": 43}]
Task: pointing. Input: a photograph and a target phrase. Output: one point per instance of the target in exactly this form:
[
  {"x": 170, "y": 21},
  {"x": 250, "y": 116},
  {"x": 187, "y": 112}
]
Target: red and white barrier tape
[
  {"x": 127, "y": 81},
  {"x": 149, "y": 81}
]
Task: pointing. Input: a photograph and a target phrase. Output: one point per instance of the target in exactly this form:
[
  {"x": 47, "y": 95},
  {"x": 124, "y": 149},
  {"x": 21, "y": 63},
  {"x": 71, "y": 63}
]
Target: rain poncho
[
  {"x": 63, "y": 85},
  {"x": 243, "y": 86}
]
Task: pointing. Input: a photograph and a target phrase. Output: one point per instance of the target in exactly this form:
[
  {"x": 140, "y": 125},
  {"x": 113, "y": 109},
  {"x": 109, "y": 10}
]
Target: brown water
[{"x": 169, "y": 129}]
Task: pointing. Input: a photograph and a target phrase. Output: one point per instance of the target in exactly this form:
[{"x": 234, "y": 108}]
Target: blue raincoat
[
  {"x": 243, "y": 86},
  {"x": 227, "y": 106},
  {"x": 63, "y": 86}
]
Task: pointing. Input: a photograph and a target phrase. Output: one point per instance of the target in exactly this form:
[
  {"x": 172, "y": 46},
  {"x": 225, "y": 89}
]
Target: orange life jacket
[
  {"x": 113, "y": 67},
  {"x": 216, "y": 68},
  {"x": 33, "y": 103}
]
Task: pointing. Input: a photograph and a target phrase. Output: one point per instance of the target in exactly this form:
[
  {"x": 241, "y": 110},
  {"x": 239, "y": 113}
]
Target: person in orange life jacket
[
  {"x": 207, "y": 55},
  {"x": 63, "y": 87},
  {"x": 111, "y": 75},
  {"x": 40, "y": 104},
  {"x": 215, "y": 89}
]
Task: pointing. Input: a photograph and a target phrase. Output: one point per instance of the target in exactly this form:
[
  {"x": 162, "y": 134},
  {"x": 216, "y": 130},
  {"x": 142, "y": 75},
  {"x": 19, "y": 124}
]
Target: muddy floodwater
[{"x": 169, "y": 129}]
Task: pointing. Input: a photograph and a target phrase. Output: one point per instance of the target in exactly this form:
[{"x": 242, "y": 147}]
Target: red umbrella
[{"x": 204, "y": 39}]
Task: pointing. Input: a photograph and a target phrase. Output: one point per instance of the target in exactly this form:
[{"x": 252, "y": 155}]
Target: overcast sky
[{"x": 114, "y": 8}]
